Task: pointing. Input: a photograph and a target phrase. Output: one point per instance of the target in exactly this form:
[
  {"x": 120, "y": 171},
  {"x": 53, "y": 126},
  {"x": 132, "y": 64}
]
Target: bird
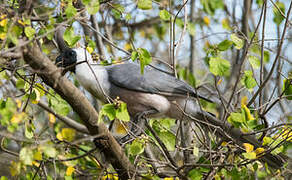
[{"x": 152, "y": 94}]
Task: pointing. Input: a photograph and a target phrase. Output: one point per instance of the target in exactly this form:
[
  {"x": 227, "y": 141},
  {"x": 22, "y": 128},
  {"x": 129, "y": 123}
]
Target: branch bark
[{"x": 52, "y": 77}]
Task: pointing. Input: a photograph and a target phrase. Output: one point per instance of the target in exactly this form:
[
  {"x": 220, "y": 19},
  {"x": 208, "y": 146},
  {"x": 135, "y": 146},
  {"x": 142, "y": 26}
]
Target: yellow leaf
[
  {"x": 59, "y": 136},
  {"x": 217, "y": 177},
  {"x": 35, "y": 163},
  {"x": 226, "y": 24},
  {"x": 18, "y": 103},
  {"x": 219, "y": 82},
  {"x": 89, "y": 49},
  {"x": 70, "y": 170},
  {"x": 248, "y": 147},
  {"x": 259, "y": 151},
  {"x": 68, "y": 134},
  {"x": 224, "y": 143},
  {"x": 207, "y": 44},
  {"x": 120, "y": 128},
  {"x": 52, "y": 118},
  {"x": 15, "y": 168},
  {"x": 21, "y": 22},
  {"x": 206, "y": 20},
  {"x": 142, "y": 33},
  {"x": 287, "y": 135},
  {"x": 247, "y": 113},
  {"x": 2, "y": 36},
  {"x": 128, "y": 46},
  {"x": 110, "y": 176},
  {"x": 17, "y": 117},
  {"x": 244, "y": 101},
  {"x": 37, "y": 156},
  {"x": 3, "y": 20}
]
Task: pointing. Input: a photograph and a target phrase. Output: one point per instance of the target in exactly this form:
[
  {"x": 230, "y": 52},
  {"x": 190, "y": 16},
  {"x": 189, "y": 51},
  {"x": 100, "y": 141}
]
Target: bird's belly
[
  {"x": 138, "y": 102},
  {"x": 93, "y": 84}
]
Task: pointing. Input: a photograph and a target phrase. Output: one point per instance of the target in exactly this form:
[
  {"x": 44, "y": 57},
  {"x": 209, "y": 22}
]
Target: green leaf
[
  {"x": 168, "y": 139},
  {"x": 278, "y": 18},
  {"x": 59, "y": 105},
  {"x": 162, "y": 129},
  {"x": 210, "y": 6},
  {"x": 219, "y": 66},
  {"x": 287, "y": 87},
  {"x": 250, "y": 155},
  {"x": 167, "y": 123},
  {"x": 236, "y": 119},
  {"x": 260, "y": 2},
  {"x": 248, "y": 81},
  {"x": 91, "y": 44},
  {"x": 68, "y": 178},
  {"x": 145, "y": 58},
  {"x": 237, "y": 41},
  {"x": 20, "y": 84},
  {"x": 70, "y": 11},
  {"x": 128, "y": 17},
  {"x": 108, "y": 110},
  {"x": 2, "y": 104},
  {"x": 48, "y": 149},
  {"x": 3, "y": 178},
  {"x": 134, "y": 55},
  {"x": 191, "y": 28},
  {"x": 266, "y": 56},
  {"x": 136, "y": 148},
  {"x": 26, "y": 156},
  {"x": 116, "y": 14},
  {"x": 226, "y": 24},
  {"x": 164, "y": 15},
  {"x": 122, "y": 112},
  {"x": 179, "y": 22},
  {"x": 278, "y": 150},
  {"x": 267, "y": 140},
  {"x": 29, "y": 32},
  {"x": 70, "y": 38},
  {"x": 254, "y": 62},
  {"x": 145, "y": 4},
  {"x": 195, "y": 174},
  {"x": 29, "y": 131},
  {"x": 224, "y": 45},
  {"x": 92, "y": 6}
]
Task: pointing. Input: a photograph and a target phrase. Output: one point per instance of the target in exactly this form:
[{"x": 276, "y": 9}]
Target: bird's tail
[{"x": 225, "y": 130}]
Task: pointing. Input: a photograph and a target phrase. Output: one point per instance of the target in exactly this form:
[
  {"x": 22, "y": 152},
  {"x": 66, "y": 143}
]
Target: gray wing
[{"x": 152, "y": 81}]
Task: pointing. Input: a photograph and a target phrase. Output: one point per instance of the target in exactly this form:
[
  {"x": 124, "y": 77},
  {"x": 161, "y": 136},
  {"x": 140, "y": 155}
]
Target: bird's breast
[{"x": 94, "y": 79}]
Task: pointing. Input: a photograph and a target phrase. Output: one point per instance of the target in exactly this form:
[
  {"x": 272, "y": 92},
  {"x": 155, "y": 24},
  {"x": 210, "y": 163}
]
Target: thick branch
[{"x": 52, "y": 77}]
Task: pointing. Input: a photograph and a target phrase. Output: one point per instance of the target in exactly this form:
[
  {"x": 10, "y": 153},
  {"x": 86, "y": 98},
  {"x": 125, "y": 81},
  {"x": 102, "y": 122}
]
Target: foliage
[{"x": 249, "y": 79}]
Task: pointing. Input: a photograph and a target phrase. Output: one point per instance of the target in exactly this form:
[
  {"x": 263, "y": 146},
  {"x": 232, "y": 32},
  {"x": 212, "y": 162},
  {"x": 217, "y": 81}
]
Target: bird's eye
[{"x": 72, "y": 53}]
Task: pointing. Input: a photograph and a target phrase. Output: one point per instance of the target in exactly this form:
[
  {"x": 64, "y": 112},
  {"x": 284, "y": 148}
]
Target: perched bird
[{"x": 152, "y": 94}]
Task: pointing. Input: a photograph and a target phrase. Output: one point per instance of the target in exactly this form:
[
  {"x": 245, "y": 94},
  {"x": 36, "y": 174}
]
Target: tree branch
[{"x": 52, "y": 77}]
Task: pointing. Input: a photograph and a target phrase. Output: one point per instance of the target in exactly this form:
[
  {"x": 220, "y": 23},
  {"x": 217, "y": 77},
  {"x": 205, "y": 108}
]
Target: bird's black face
[{"x": 67, "y": 59}]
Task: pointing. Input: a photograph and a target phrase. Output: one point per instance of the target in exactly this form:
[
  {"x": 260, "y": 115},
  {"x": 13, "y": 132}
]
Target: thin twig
[{"x": 275, "y": 61}]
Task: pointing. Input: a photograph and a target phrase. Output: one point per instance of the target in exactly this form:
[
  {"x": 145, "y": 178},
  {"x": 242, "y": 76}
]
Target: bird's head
[{"x": 67, "y": 59}]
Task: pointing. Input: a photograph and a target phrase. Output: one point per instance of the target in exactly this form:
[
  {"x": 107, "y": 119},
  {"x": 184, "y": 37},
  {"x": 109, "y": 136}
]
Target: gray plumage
[{"x": 152, "y": 81}]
